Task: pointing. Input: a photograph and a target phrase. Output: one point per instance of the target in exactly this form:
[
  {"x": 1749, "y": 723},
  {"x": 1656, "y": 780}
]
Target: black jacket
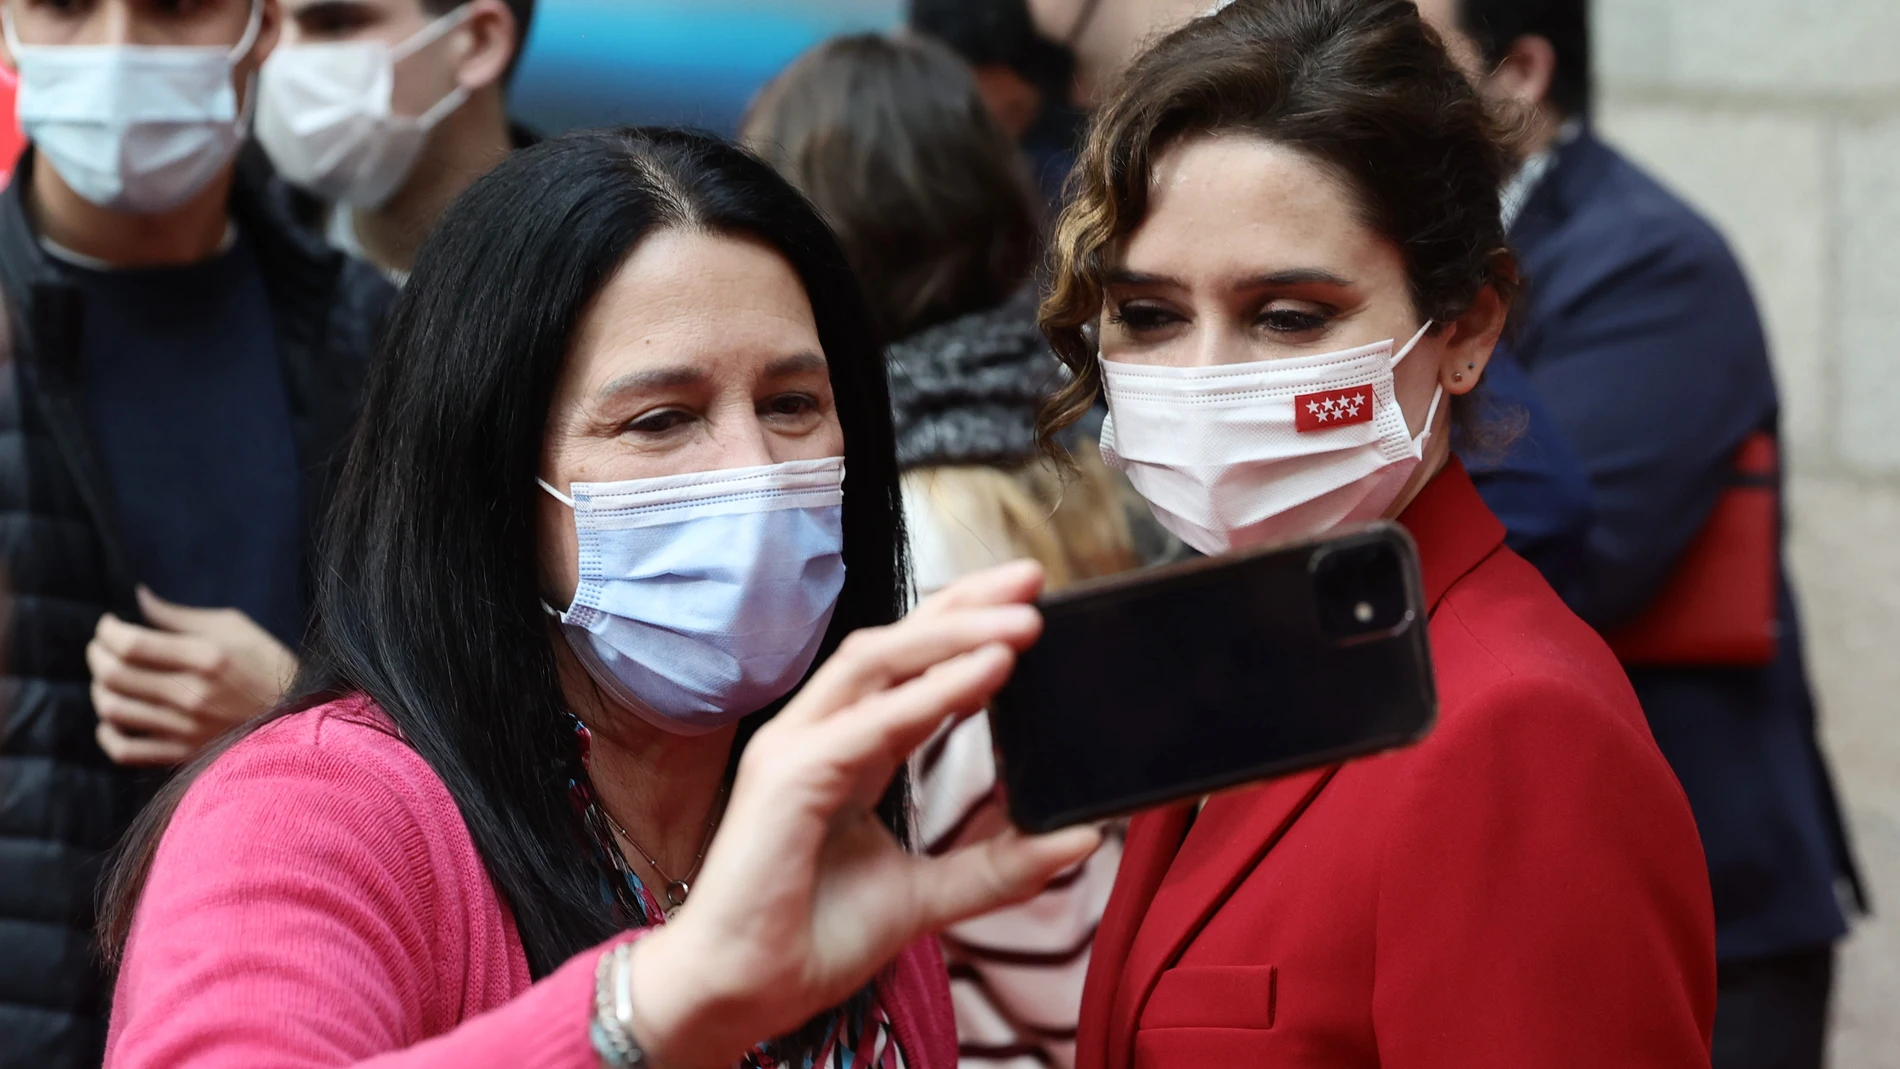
[{"x": 63, "y": 805}]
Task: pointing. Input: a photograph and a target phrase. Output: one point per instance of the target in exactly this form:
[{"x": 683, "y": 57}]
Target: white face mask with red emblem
[{"x": 1241, "y": 455}]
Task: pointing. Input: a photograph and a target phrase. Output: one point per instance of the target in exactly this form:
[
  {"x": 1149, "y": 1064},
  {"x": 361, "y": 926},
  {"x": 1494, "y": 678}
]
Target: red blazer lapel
[
  {"x": 1228, "y": 839},
  {"x": 1153, "y": 839}
]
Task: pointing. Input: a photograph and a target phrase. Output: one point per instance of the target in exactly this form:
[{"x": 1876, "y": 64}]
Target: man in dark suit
[{"x": 1639, "y": 332}]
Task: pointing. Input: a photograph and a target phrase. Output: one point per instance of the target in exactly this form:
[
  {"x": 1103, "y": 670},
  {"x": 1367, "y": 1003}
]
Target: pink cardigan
[{"x": 317, "y": 901}]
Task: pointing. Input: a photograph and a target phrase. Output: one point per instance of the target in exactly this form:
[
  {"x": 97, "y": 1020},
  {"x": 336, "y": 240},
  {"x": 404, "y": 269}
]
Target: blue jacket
[{"x": 1639, "y": 333}]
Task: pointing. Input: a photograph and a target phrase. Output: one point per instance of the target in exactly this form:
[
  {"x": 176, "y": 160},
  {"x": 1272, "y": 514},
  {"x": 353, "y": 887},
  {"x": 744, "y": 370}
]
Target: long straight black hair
[{"x": 428, "y": 598}]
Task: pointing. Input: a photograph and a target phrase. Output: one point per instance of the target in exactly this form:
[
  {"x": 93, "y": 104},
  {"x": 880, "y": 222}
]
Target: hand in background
[{"x": 164, "y": 691}]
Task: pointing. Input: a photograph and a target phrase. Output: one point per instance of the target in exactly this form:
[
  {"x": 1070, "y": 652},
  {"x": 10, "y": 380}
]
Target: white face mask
[
  {"x": 1241, "y": 455},
  {"x": 327, "y": 116},
  {"x": 134, "y": 128}
]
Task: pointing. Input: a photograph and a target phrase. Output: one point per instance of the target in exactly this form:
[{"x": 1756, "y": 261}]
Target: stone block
[
  {"x": 1763, "y": 180},
  {"x": 1826, "y": 46},
  {"x": 1848, "y": 581},
  {"x": 1631, "y": 42},
  {"x": 1868, "y": 223}
]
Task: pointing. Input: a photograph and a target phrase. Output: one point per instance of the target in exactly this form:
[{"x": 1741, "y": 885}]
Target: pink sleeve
[{"x": 302, "y": 912}]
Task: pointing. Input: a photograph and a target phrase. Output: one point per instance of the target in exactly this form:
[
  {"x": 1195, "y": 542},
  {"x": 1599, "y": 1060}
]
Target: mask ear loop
[
  {"x": 236, "y": 55},
  {"x": 422, "y": 39},
  {"x": 431, "y": 33},
  {"x": 1431, "y": 414},
  {"x": 558, "y": 496},
  {"x": 1413, "y": 344},
  {"x": 251, "y": 29},
  {"x": 569, "y": 502},
  {"x": 6, "y": 28},
  {"x": 1438, "y": 395}
]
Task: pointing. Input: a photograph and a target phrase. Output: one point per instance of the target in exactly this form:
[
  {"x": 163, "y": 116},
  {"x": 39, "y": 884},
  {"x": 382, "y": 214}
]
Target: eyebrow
[
  {"x": 1298, "y": 276},
  {"x": 678, "y": 375},
  {"x": 797, "y": 364},
  {"x": 1125, "y": 277},
  {"x": 659, "y": 378}
]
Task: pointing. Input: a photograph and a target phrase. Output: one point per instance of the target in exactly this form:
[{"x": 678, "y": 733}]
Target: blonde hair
[{"x": 1072, "y": 519}]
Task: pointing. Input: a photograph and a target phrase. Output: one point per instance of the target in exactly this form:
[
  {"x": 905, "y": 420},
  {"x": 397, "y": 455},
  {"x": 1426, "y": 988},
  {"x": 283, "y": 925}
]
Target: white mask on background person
[
  {"x": 134, "y": 128},
  {"x": 1241, "y": 455},
  {"x": 703, "y": 598},
  {"x": 327, "y": 116}
]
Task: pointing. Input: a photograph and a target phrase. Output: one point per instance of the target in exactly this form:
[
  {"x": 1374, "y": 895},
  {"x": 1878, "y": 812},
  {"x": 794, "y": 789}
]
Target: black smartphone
[{"x": 1171, "y": 683}]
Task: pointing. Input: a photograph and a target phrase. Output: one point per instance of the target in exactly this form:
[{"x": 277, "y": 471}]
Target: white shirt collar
[{"x": 1518, "y": 191}]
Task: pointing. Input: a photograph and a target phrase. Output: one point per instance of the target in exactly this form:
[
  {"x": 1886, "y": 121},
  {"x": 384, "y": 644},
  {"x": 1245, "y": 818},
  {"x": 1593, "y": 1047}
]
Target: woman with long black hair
[{"x": 543, "y": 800}]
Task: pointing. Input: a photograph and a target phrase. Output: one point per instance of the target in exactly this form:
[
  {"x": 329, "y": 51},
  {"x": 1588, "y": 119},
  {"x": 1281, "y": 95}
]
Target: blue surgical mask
[{"x": 703, "y": 598}]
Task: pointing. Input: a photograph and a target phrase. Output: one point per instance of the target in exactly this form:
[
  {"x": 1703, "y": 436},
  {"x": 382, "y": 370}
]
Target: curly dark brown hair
[{"x": 1364, "y": 87}]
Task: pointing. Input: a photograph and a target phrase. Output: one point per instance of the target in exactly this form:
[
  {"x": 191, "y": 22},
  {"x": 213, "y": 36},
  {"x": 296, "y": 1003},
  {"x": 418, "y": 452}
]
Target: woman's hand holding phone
[{"x": 805, "y": 895}]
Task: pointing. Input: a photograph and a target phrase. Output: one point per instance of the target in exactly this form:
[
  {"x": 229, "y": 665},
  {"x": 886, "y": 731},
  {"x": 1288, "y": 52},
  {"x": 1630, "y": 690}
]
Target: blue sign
[{"x": 678, "y": 62}]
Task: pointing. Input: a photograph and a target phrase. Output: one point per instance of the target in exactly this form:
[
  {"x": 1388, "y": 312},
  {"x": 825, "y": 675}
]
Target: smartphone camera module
[{"x": 1360, "y": 590}]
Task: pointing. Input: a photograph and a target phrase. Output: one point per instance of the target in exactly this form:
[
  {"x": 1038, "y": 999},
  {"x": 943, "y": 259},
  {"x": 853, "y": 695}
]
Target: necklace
[{"x": 676, "y": 890}]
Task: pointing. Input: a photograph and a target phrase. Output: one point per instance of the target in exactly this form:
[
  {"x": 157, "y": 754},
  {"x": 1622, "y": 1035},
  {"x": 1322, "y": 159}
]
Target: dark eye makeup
[
  {"x": 1302, "y": 319},
  {"x": 1138, "y": 318}
]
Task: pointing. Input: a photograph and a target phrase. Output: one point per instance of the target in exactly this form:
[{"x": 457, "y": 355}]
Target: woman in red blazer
[{"x": 1279, "y": 197}]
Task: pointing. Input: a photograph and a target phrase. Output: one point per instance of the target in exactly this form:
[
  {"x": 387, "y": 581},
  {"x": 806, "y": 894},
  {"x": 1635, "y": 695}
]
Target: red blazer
[{"x": 1522, "y": 890}]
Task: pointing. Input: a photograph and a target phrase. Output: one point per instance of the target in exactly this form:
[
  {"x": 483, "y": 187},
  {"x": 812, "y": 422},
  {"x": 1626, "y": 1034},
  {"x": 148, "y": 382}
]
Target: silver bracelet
[{"x": 612, "y": 1027}]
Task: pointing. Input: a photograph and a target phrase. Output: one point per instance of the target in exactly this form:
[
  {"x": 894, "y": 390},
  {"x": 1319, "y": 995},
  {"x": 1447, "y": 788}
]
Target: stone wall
[{"x": 1781, "y": 119}]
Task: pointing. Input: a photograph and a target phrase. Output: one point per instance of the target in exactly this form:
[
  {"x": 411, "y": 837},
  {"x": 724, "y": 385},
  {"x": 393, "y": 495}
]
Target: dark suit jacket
[
  {"x": 1521, "y": 889},
  {"x": 1534, "y": 483},
  {"x": 1640, "y": 335}
]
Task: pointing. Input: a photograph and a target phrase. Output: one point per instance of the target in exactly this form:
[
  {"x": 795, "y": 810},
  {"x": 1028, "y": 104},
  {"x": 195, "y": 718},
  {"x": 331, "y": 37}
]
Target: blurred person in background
[
  {"x": 1041, "y": 63},
  {"x": 599, "y": 754},
  {"x": 1641, "y": 334},
  {"x": 1284, "y": 264},
  {"x": 382, "y": 111},
  {"x": 1528, "y": 472},
  {"x": 188, "y": 361},
  {"x": 891, "y": 139},
  {"x": 1026, "y": 76}
]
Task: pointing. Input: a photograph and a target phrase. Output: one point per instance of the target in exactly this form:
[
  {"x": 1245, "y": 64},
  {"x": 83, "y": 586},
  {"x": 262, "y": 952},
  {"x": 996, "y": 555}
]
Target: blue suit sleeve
[
  {"x": 1655, "y": 369},
  {"x": 1527, "y": 472}
]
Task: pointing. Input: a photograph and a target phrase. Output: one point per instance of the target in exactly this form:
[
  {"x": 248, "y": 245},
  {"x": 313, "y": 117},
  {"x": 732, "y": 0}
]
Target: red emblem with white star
[{"x": 1332, "y": 408}]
